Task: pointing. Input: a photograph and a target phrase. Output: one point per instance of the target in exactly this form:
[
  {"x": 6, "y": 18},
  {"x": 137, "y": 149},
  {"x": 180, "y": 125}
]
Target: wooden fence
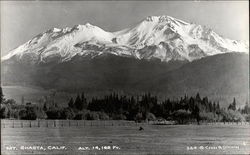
[
  {"x": 65, "y": 123},
  {"x": 5, "y": 123}
]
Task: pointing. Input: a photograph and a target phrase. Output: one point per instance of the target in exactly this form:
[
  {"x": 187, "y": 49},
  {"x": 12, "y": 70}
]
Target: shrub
[
  {"x": 208, "y": 116},
  {"x": 103, "y": 116},
  {"x": 182, "y": 116},
  {"x": 247, "y": 118},
  {"x": 236, "y": 116},
  {"x": 4, "y": 112},
  {"x": 22, "y": 114},
  {"x": 92, "y": 116},
  {"x": 119, "y": 117},
  {"x": 232, "y": 116},
  {"x": 138, "y": 117},
  {"x": 67, "y": 113},
  {"x": 53, "y": 114},
  {"x": 28, "y": 114},
  {"x": 150, "y": 117},
  {"x": 80, "y": 116}
]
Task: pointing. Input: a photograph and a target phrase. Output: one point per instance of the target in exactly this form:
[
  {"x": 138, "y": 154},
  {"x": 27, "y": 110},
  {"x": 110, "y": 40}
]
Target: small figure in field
[{"x": 141, "y": 128}]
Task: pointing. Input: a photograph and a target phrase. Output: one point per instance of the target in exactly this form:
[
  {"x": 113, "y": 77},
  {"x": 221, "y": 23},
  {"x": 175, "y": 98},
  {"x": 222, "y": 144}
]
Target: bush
[
  {"x": 236, "y": 116},
  {"x": 138, "y": 117},
  {"x": 103, "y": 116},
  {"x": 182, "y": 116},
  {"x": 150, "y": 117},
  {"x": 67, "y": 113},
  {"x": 119, "y": 117},
  {"x": 15, "y": 114},
  {"x": 92, "y": 116},
  {"x": 22, "y": 114},
  {"x": 232, "y": 116},
  {"x": 53, "y": 114},
  {"x": 247, "y": 118},
  {"x": 4, "y": 112},
  {"x": 208, "y": 116},
  {"x": 80, "y": 116},
  {"x": 41, "y": 114},
  {"x": 10, "y": 102},
  {"x": 28, "y": 114}
]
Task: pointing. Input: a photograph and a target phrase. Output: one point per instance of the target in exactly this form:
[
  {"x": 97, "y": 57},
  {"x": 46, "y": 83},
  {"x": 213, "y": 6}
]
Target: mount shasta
[
  {"x": 160, "y": 54},
  {"x": 161, "y": 37}
]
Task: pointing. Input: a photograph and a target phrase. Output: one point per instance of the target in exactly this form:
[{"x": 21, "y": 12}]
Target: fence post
[{"x": 54, "y": 123}]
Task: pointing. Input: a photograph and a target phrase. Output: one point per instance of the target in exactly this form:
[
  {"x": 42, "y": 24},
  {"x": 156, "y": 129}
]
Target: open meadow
[{"x": 112, "y": 137}]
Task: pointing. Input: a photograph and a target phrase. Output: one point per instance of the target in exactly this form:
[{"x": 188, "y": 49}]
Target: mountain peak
[
  {"x": 163, "y": 18},
  {"x": 89, "y": 25},
  {"x": 151, "y": 18}
]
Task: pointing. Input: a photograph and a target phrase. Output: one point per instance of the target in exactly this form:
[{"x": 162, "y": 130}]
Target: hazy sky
[{"x": 20, "y": 21}]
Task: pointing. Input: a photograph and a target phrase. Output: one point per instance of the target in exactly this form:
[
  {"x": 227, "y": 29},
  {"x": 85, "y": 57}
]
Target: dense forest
[{"x": 138, "y": 108}]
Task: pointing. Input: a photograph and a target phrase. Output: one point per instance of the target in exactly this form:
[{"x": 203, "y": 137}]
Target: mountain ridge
[
  {"x": 161, "y": 37},
  {"x": 221, "y": 76}
]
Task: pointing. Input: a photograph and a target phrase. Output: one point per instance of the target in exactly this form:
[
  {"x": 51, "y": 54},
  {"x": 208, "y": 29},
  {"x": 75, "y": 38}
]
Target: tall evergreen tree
[
  {"x": 198, "y": 98},
  {"x": 217, "y": 107},
  {"x": 196, "y": 114},
  {"x": 1, "y": 95},
  {"x": 84, "y": 101},
  {"x": 214, "y": 107},
  {"x": 71, "y": 103},
  {"x": 78, "y": 103},
  {"x": 234, "y": 104}
]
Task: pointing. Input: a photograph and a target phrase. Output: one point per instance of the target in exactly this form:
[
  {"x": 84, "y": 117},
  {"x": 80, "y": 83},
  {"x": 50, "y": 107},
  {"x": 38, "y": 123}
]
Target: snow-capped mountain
[{"x": 162, "y": 37}]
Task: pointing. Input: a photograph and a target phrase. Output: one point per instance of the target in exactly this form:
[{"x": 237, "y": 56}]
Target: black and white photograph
[{"x": 124, "y": 77}]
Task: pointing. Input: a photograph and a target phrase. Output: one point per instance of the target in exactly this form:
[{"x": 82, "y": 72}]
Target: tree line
[{"x": 145, "y": 107}]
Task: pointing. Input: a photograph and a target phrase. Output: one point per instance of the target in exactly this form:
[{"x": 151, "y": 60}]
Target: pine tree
[
  {"x": 1, "y": 95},
  {"x": 45, "y": 108},
  {"x": 214, "y": 107},
  {"x": 78, "y": 103},
  {"x": 196, "y": 114},
  {"x": 198, "y": 98},
  {"x": 84, "y": 101},
  {"x": 217, "y": 107},
  {"x": 71, "y": 103},
  {"x": 210, "y": 107},
  {"x": 234, "y": 104}
]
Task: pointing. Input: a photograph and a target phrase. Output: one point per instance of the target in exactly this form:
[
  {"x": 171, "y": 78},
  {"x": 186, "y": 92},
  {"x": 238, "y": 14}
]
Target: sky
[{"x": 21, "y": 21}]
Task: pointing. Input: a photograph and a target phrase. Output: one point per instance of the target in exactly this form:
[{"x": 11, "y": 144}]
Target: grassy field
[{"x": 127, "y": 139}]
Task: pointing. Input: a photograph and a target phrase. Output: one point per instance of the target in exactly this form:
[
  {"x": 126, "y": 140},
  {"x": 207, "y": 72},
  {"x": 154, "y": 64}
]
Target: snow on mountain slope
[{"x": 162, "y": 37}]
